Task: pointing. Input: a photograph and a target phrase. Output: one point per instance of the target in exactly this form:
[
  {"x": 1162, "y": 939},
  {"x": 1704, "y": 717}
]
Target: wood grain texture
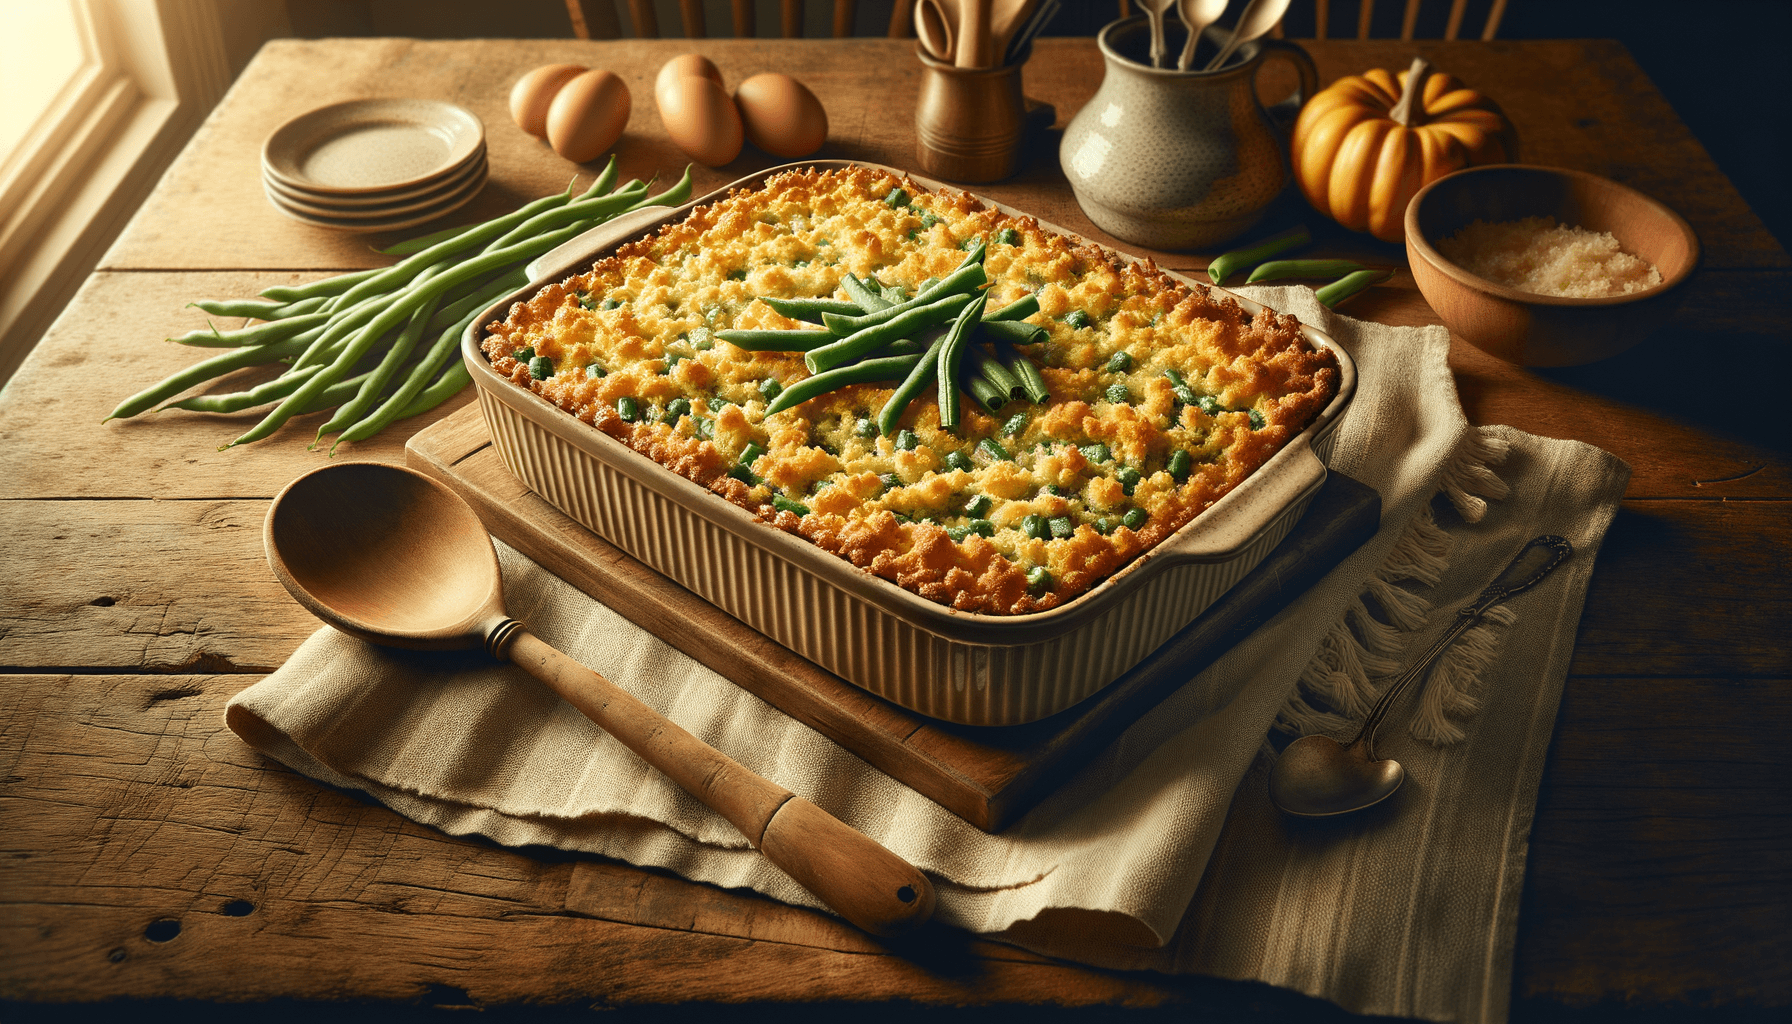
[
  {"x": 199, "y": 852},
  {"x": 1656, "y": 882},
  {"x": 1652, "y": 801}
]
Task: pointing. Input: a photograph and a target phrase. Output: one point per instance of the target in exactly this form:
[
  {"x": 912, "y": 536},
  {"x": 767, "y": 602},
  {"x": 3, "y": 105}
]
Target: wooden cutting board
[{"x": 988, "y": 776}]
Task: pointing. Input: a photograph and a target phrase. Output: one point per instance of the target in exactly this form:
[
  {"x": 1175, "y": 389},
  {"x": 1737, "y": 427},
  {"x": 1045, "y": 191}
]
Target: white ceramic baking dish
[{"x": 969, "y": 668}]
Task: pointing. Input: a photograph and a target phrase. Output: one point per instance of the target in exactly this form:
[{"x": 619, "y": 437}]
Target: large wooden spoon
[{"x": 393, "y": 557}]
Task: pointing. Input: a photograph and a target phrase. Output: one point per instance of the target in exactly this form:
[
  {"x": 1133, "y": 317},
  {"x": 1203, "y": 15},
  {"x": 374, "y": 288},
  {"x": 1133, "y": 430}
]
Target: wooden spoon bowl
[
  {"x": 386, "y": 555},
  {"x": 393, "y": 557}
]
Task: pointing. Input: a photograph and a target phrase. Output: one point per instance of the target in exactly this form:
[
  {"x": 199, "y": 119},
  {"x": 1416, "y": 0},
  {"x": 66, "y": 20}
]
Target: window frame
[{"x": 154, "y": 69}]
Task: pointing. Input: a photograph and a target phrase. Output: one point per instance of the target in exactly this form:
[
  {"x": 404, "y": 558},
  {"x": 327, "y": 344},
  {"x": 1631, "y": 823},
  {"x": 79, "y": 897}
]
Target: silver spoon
[
  {"x": 1259, "y": 17},
  {"x": 393, "y": 557},
  {"x": 1317, "y": 777},
  {"x": 1197, "y": 15}
]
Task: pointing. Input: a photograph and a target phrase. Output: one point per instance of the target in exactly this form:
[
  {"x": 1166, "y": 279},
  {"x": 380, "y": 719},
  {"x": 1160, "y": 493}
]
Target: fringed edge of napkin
[{"x": 1363, "y": 648}]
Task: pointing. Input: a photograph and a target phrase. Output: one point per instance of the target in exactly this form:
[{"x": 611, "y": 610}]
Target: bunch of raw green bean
[
  {"x": 1354, "y": 276},
  {"x": 350, "y": 342},
  {"x": 883, "y": 334}
]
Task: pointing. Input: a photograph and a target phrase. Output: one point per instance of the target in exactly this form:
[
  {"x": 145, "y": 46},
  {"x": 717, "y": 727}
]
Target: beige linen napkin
[{"x": 1410, "y": 909}]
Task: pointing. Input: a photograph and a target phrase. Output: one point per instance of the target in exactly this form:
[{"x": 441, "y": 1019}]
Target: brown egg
[
  {"x": 781, "y": 115},
  {"x": 701, "y": 120},
  {"x": 588, "y": 115},
  {"x": 535, "y": 91},
  {"x": 680, "y": 66}
]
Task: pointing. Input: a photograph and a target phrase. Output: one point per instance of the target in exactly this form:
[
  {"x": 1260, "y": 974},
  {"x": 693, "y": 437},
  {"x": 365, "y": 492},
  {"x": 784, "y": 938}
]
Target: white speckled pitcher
[{"x": 1179, "y": 159}]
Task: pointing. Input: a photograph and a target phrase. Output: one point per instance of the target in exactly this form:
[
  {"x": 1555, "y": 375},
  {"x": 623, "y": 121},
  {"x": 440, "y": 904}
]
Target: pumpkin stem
[{"x": 1410, "y": 110}]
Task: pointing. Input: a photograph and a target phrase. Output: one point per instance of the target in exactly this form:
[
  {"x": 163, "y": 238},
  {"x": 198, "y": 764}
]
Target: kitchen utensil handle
[
  {"x": 1285, "y": 111},
  {"x": 863, "y": 882},
  {"x": 561, "y": 258}
]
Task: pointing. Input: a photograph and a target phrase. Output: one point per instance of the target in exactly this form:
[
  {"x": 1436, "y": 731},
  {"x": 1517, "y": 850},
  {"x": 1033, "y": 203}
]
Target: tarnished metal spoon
[
  {"x": 395, "y": 558},
  {"x": 1318, "y": 777},
  {"x": 1154, "y": 12}
]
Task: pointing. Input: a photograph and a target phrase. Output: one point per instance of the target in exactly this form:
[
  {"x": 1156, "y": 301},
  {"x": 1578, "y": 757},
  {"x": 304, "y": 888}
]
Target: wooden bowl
[{"x": 1544, "y": 330}]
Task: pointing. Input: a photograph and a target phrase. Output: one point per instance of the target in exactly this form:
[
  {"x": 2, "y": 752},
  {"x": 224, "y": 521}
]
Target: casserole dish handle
[
  {"x": 1248, "y": 509},
  {"x": 562, "y": 258}
]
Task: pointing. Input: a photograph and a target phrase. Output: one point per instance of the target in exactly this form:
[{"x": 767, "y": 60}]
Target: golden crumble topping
[{"x": 1162, "y": 396}]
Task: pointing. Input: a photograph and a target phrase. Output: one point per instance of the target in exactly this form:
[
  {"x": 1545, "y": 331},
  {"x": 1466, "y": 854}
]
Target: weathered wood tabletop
[{"x": 149, "y": 854}]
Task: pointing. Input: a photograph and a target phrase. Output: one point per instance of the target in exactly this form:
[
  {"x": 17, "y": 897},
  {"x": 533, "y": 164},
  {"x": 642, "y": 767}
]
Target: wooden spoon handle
[{"x": 865, "y": 883}]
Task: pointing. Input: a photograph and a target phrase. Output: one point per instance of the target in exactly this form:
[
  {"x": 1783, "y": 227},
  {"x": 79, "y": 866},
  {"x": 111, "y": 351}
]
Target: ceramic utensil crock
[{"x": 1180, "y": 159}]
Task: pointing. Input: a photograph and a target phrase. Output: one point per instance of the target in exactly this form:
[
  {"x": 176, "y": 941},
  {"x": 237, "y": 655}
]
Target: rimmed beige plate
[
  {"x": 446, "y": 206},
  {"x": 435, "y": 189},
  {"x": 372, "y": 145},
  {"x": 473, "y": 178}
]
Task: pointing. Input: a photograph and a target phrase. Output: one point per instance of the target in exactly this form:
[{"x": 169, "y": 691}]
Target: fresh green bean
[
  {"x": 1031, "y": 381},
  {"x": 951, "y": 355},
  {"x": 422, "y": 242},
  {"x": 974, "y": 255},
  {"x": 327, "y": 286},
  {"x": 350, "y": 320},
  {"x": 1016, "y": 332},
  {"x": 1275, "y": 270},
  {"x": 261, "y": 394},
  {"x": 861, "y": 294},
  {"x": 1238, "y": 259},
  {"x": 899, "y": 347},
  {"x": 777, "y": 341},
  {"x": 619, "y": 201},
  {"x": 991, "y": 369},
  {"x": 910, "y": 388},
  {"x": 1332, "y": 294},
  {"x": 1019, "y": 309},
  {"x": 258, "y": 334},
  {"x": 395, "y": 312},
  {"x": 539, "y": 214},
  {"x": 453, "y": 379},
  {"x": 598, "y": 186},
  {"x": 987, "y": 395},
  {"x": 964, "y": 279},
  {"x": 401, "y": 403},
  {"x": 812, "y": 309},
  {"x": 858, "y": 344},
  {"x": 202, "y": 371},
  {"x": 865, "y": 371},
  {"x": 677, "y": 195},
  {"x": 259, "y": 309},
  {"x": 603, "y": 183},
  {"x": 375, "y": 385}
]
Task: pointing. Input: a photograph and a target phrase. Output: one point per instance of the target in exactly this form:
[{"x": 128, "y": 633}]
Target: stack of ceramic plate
[{"x": 375, "y": 165}]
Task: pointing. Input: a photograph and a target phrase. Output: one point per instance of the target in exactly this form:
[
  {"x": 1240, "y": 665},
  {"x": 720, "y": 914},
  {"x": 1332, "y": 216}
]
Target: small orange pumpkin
[{"x": 1365, "y": 145}]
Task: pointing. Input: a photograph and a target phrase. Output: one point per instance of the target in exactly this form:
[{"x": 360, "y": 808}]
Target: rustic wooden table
[{"x": 149, "y": 854}]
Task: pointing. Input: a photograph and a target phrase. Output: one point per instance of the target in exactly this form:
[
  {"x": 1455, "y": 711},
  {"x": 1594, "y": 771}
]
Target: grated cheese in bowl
[{"x": 1538, "y": 255}]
